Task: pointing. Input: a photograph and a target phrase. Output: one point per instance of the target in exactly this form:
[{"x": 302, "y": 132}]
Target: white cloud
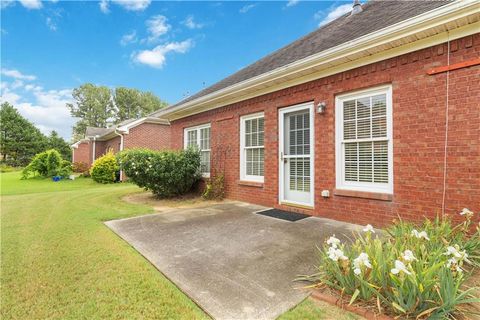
[
  {"x": 156, "y": 57},
  {"x": 31, "y": 4},
  {"x": 333, "y": 14},
  {"x": 157, "y": 26},
  {"x": 51, "y": 24},
  {"x": 292, "y": 3},
  {"x": 17, "y": 84},
  {"x": 8, "y": 96},
  {"x": 247, "y": 7},
  {"x": 133, "y": 5},
  {"x": 6, "y": 3},
  {"x": 129, "y": 38},
  {"x": 12, "y": 73},
  {"x": 104, "y": 6},
  {"x": 46, "y": 109},
  {"x": 190, "y": 23}
]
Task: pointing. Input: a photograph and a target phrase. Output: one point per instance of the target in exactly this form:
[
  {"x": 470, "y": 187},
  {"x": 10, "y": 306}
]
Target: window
[
  {"x": 364, "y": 141},
  {"x": 199, "y": 137},
  {"x": 252, "y": 147}
]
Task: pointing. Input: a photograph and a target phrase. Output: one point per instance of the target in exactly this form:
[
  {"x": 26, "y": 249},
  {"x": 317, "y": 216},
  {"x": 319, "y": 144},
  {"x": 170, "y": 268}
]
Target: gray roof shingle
[
  {"x": 94, "y": 131},
  {"x": 376, "y": 15}
]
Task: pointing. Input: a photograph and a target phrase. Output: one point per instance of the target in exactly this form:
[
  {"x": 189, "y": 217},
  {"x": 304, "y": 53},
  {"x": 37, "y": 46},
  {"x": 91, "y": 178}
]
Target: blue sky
[{"x": 170, "y": 48}]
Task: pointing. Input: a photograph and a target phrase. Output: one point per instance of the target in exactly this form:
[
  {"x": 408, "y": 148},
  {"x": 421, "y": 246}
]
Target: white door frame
[{"x": 281, "y": 144}]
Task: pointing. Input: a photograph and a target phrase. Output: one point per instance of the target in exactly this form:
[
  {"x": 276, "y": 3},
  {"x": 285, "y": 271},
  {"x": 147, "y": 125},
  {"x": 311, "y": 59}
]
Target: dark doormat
[{"x": 284, "y": 215}]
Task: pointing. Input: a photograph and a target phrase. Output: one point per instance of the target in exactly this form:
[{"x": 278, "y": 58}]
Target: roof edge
[{"x": 427, "y": 20}]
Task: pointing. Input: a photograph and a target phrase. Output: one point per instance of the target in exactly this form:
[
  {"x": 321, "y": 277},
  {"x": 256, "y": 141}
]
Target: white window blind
[
  {"x": 199, "y": 137},
  {"x": 252, "y": 147},
  {"x": 364, "y": 141}
]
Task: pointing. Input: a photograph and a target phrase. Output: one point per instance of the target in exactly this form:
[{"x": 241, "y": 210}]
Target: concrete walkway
[{"x": 233, "y": 263}]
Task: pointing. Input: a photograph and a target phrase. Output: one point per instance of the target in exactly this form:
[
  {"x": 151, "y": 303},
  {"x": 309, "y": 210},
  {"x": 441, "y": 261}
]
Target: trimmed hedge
[
  {"x": 164, "y": 173},
  {"x": 105, "y": 168}
]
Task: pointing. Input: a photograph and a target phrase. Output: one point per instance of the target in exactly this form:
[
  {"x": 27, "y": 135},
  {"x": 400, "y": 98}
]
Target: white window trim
[
  {"x": 341, "y": 184},
  {"x": 198, "y": 128},
  {"x": 243, "y": 163}
]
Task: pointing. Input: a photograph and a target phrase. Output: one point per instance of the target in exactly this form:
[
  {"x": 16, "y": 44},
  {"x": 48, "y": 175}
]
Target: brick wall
[
  {"x": 82, "y": 153},
  {"x": 148, "y": 135},
  {"x": 419, "y": 122}
]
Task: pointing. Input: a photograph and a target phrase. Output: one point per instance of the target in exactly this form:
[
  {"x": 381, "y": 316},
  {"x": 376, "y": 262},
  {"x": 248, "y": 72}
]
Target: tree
[
  {"x": 93, "y": 105},
  {"x": 134, "y": 104},
  {"x": 97, "y": 105},
  {"x": 20, "y": 140},
  {"x": 58, "y": 143}
]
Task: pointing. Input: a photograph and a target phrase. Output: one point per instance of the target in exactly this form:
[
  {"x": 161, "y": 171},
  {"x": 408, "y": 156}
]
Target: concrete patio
[{"x": 233, "y": 263}]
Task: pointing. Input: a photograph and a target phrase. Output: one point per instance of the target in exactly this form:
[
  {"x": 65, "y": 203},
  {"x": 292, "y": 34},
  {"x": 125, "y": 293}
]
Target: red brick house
[
  {"x": 147, "y": 132},
  {"x": 371, "y": 116}
]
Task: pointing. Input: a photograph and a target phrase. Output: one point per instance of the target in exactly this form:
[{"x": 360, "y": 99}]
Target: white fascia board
[
  {"x": 431, "y": 19},
  {"x": 126, "y": 128}
]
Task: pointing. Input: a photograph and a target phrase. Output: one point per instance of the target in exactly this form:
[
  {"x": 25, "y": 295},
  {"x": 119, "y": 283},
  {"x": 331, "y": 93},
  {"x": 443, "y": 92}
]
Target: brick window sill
[
  {"x": 250, "y": 183},
  {"x": 363, "y": 194}
]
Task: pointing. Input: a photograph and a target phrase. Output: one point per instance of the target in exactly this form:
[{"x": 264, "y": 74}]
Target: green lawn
[{"x": 59, "y": 261}]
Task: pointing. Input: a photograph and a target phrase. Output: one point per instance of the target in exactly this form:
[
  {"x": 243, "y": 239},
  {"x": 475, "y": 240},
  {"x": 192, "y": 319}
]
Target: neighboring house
[
  {"x": 147, "y": 132},
  {"x": 373, "y": 116}
]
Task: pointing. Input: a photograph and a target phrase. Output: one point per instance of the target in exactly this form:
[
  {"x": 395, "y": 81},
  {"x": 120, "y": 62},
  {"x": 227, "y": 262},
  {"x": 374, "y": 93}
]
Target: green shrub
[
  {"x": 47, "y": 164},
  {"x": 104, "y": 169},
  {"x": 165, "y": 173},
  {"x": 410, "y": 271}
]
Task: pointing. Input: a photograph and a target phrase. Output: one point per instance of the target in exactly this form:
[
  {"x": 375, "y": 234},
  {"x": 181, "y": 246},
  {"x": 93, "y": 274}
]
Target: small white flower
[
  {"x": 408, "y": 256},
  {"x": 332, "y": 241},
  {"x": 467, "y": 212},
  {"x": 368, "y": 228},
  {"x": 420, "y": 235},
  {"x": 150, "y": 166},
  {"x": 452, "y": 262},
  {"x": 399, "y": 267},
  {"x": 336, "y": 254},
  {"x": 457, "y": 254},
  {"x": 361, "y": 260}
]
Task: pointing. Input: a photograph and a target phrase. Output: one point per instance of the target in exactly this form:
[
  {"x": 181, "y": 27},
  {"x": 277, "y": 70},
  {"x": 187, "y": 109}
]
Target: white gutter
[
  {"x": 93, "y": 156},
  {"x": 437, "y": 17}
]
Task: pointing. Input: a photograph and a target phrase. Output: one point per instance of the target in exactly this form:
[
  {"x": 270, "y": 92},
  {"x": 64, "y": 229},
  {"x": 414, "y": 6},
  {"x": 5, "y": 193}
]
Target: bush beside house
[
  {"x": 105, "y": 168},
  {"x": 164, "y": 173}
]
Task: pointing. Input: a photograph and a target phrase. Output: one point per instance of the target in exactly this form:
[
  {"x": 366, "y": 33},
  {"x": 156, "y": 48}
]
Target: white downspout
[
  {"x": 121, "y": 149},
  {"x": 93, "y": 155}
]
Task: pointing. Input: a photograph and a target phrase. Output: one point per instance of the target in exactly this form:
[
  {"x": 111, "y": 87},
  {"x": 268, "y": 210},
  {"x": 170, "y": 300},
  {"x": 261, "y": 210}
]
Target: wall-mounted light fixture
[{"x": 321, "y": 107}]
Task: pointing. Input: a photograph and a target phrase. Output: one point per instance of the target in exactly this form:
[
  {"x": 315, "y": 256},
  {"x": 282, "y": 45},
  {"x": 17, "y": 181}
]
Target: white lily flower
[
  {"x": 368, "y": 228},
  {"x": 400, "y": 267},
  {"x": 332, "y": 241},
  {"x": 453, "y": 262},
  {"x": 467, "y": 212},
  {"x": 457, "y": 254},
  {"x": 408, "y": 256},
  {"x": 336, "y": 254},
  {"x": 361, "y": 260},
  {"x": 420, "y": 235}
]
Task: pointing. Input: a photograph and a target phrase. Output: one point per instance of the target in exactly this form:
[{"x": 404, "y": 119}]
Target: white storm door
[{"x": 296, "y": 155}]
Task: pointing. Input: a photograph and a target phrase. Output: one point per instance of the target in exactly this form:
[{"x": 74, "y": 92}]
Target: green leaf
[{"x": 354, "y": 296}]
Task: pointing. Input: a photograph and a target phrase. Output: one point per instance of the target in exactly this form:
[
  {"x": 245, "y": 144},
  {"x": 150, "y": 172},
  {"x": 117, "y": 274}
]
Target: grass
[{"x": 59, "y": 261}]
